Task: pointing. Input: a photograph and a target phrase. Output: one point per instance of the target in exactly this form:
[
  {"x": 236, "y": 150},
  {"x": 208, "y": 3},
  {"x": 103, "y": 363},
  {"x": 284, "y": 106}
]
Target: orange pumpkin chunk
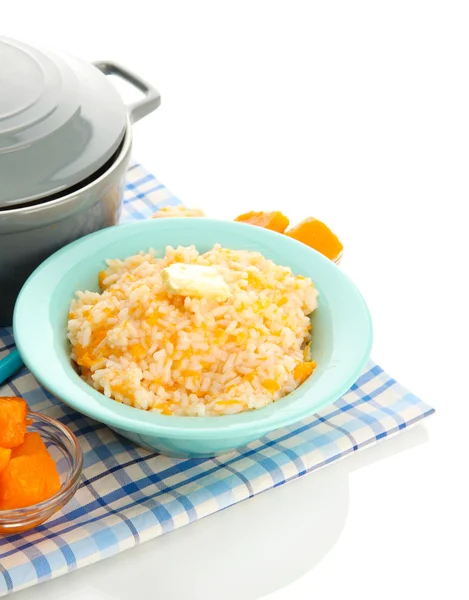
[
  {"x": 97, "y": 336},
  {"x": 190, "y": 373},
  {"x": 101, "y": 277},
  {"x": 153, "y": 319},
  {"x": 275, "y": 220},
  {"x": 5, "y": 454},
  {"x": 27, "y": 480},
  {"x": 12, "y": 421},
  {"x": 137, "y": 351},
  {"x": 317, "y": 235},
  {"x": 32, "y": 444},
  {"x": 271, "y": 385},
  {"x": 303, "y": 370}
]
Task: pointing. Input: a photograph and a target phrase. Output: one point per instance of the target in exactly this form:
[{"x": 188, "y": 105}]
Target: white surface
[{"x": 356, "y": 112}]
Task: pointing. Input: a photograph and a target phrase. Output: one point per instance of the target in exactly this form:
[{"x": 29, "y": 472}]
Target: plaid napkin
[{"x": 129, "y": 495}]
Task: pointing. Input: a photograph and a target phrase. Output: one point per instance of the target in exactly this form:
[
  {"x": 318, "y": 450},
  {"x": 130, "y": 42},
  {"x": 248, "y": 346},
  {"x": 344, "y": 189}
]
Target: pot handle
[{"x": 141, "y": 108}]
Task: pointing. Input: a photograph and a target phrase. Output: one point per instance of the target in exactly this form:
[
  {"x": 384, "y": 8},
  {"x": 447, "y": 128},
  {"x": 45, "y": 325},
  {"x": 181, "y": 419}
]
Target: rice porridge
[{"x": 163, "y": 344}]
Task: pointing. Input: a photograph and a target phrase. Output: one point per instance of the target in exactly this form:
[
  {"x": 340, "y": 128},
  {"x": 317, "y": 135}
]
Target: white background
[{"x": 356, "y": 112}]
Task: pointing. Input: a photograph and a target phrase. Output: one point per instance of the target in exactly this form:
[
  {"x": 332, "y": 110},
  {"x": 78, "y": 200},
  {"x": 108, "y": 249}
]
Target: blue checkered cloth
[{"x": 129, "y": 495}]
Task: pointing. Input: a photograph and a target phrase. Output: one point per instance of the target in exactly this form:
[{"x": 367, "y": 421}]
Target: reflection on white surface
[{"x": 245, "y": 552}]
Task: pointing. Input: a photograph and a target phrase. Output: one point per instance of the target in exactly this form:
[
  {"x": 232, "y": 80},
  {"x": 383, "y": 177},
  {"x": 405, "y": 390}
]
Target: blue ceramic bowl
[{"x": 342, "y": 333}]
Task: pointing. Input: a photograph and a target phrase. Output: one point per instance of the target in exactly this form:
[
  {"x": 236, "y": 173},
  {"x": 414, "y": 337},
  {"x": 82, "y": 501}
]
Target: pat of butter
[{"x": 196, "y": 281}]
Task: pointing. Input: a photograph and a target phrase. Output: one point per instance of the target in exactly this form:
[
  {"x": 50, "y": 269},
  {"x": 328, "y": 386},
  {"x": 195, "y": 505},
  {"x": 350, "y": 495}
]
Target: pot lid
[{"x": 61, "y": 119}]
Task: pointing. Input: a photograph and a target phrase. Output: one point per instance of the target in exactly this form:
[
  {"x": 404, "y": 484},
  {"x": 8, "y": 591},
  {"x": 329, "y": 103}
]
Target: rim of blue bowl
[{"x": 73, "y": 391}]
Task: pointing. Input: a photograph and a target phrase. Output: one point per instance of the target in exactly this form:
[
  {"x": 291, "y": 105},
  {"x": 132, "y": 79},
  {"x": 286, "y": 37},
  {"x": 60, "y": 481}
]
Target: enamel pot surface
[{"x": 65, "y": 142}]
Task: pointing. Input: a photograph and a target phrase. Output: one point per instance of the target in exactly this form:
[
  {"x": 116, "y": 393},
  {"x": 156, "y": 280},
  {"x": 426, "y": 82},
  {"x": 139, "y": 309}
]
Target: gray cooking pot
[{"x": 65, "y": 142}]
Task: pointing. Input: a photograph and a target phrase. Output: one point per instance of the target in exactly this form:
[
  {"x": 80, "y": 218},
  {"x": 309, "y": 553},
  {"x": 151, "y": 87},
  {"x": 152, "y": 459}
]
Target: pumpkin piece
[
  {"x": 5, "y": 454},
  {"x": 84, "y": 358},
  {"x": 12, "y": 421},
  {"x": 271, "y": 385},
  {"x": 190, "y": 373},
  {"x": 153, "y": 319},
  {"x": 27, "y": 480},
  {"x": 275, "y": 220},
  {"x": 317, "y": 235},
  {"x": 101, "y": 277},
  {"x": 97, "y": 336},
  {"x": 137, "y": 351},
  {"x": 303, "y": 370},
  {"x": 32, "y": 444},
  {"x": 229, "y": 402}
]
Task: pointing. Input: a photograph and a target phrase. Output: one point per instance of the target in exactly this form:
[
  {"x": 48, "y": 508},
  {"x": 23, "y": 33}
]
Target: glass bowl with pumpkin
[{"x": 41, "y": 463}]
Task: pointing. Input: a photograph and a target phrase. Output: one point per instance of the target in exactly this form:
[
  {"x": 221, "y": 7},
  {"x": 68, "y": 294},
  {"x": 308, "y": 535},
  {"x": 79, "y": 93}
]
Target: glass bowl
[{"x": 64, "y": 448}]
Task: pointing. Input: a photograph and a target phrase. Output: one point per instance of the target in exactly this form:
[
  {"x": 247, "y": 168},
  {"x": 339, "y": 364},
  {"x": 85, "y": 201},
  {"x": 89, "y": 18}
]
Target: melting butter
[{"x": 196, "y": 281}]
